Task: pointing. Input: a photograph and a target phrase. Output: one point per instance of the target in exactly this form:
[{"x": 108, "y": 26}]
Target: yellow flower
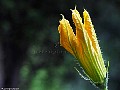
[{"x": 83, "y": 46}]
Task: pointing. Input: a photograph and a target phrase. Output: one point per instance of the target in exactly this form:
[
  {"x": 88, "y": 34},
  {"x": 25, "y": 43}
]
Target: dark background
[{"x": 30, "y": 55}]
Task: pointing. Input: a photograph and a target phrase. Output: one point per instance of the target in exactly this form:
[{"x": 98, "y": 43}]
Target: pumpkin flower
[{"x": 84, "y": 46}]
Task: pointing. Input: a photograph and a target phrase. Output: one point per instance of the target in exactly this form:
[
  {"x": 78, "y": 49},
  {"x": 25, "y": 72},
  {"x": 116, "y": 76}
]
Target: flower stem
[
  {"x": 105, "y": 88},
  {"x": 106, "y": 82}
]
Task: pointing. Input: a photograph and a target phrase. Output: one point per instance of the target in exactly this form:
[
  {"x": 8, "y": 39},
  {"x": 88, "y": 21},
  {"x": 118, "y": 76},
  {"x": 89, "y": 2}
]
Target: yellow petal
[
  {"x": 67, "y": 37},
  {"x": 85, "y": 49},
  {"x": 81, "y": 35},
  {"x": 78, "y": 24},
  {"x": 94, "y": 42},
  {"x": 91, "y": 32}
]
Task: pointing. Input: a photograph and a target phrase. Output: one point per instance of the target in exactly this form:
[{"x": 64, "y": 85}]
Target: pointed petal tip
[
  {"x": 71, "y": 10},
  {"x": 74, "y": 9},
  {"x": 85, "y": 11},
  {"x": 62, "y": 16}
]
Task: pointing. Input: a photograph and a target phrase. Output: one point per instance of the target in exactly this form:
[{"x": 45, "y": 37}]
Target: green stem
[
  {"x": 104, "y": 89},
  {"x": 105, "y": 86},
  {"x": 106, "y": 81}
]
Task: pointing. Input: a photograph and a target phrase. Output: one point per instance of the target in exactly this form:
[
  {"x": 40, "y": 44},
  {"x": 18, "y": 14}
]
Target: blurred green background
[{"x": 30, "y": 55}]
